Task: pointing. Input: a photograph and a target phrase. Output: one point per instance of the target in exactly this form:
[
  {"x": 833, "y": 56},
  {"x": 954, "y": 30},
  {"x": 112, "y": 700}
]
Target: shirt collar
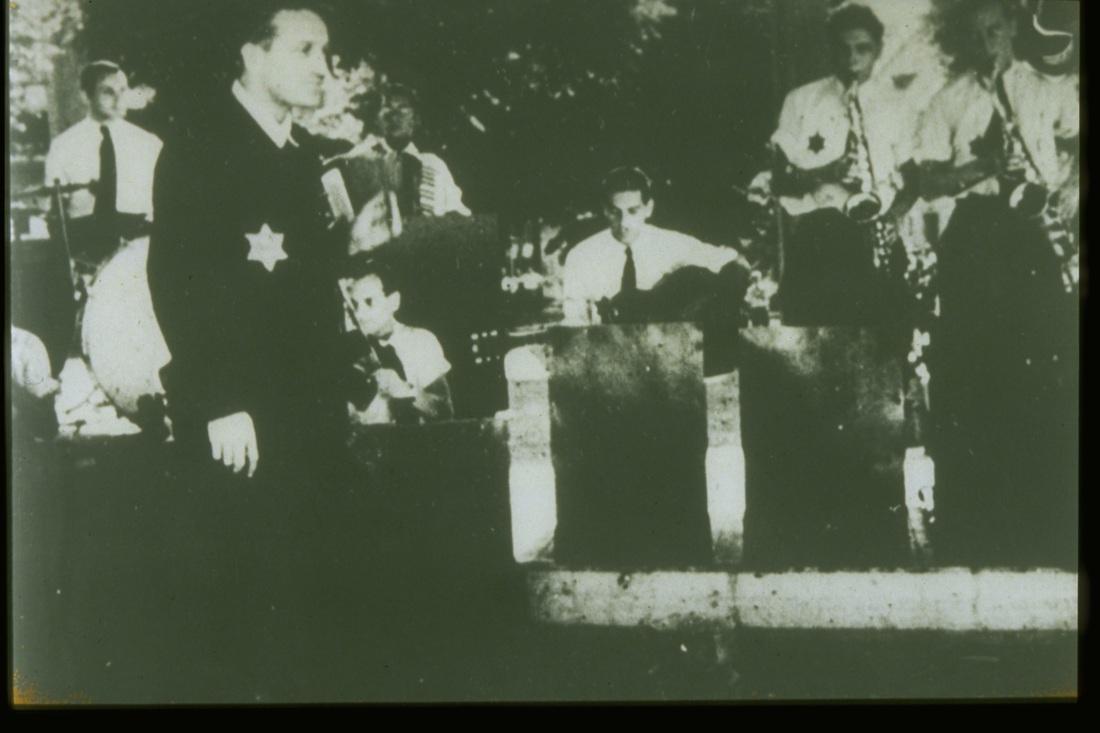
[
  {"x": 647, "y": 231},
  {"x": 279, "y": 132},
  {"x": 378, "y": 144},
  {"x": 113, "y": 125},
  {"x": 395, "y": 335}
]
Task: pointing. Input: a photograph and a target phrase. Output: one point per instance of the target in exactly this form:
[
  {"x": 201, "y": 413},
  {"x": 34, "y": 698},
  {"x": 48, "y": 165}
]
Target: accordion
[{"x": 374, "y": 191}]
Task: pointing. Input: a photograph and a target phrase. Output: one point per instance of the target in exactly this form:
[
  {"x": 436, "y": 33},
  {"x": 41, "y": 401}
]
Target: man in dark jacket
[
  {"x": 240, "y": 265},
  {"x": 242, "y": 274}
]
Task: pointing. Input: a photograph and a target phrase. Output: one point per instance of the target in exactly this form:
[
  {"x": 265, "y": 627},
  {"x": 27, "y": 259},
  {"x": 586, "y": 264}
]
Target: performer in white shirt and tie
[
  {"x": 631, "y": 254},
  {"x": 839, "y": 151},
  {"x": 115, "y": 157},
  {"x": 1003, "y": 354}
]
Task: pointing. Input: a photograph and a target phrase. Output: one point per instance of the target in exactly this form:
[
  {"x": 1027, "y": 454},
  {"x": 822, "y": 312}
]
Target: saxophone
[
  {"x": 864, "y": 207},
  {"x": 1025, "y": 191}
]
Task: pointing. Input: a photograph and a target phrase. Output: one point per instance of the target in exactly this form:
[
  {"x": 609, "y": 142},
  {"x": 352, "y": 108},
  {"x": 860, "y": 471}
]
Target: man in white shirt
[
  {"x": 1004, "y": 352},
  {"x": 955, "y": 147},
  {"x": 631, "y": 254},
  {"x": 116, "y": 158},
  {"x": 399, "y": 373},
  {"x": 839, "y": 150}
]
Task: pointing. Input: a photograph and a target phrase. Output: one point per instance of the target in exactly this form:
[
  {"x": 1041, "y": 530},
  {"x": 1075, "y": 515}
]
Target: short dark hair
[
  {"x": 625, "y": 179},
  {"x": 257, "y": 22},
  {"x": 377, "y": 264},
  {"x": 95, "y": 72},
  {"x": 855, "y": 17}
]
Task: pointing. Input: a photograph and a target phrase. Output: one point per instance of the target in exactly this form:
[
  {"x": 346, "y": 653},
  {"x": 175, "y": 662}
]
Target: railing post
[
  {"x": 725, "y": 467},
  {"x": 920, "y": 481},
  {"x": 532, "y": 487}
]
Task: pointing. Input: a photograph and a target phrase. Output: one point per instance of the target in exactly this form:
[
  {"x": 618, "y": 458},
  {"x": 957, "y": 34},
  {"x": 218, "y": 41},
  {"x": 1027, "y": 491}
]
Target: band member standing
[
  {"x": 242, "y": 270},
  {"x": 1004, "y": 352},
  {"x": 631, "y": 254},
  {"x": 115, "y": 157},
  {"x": 839, "y": 148}
]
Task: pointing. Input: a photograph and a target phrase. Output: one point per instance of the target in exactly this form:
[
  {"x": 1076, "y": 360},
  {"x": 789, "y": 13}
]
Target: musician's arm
[
  {"x": 790, "y": 180},
  {"x": 787, "y": 178},
  {"x": 575, "y": 305},
  {"x": 433, "y": 402},
  {"x": 936, "y": 173},
  {"x": 431, "y": 391},
  {"x": 55, "y": 164},
  {"x": 944, "y": 178},
  {"x": 193, "y": 294},
  {"x": 712, "y": 257},
  {"x": 1067, "y": 126}
]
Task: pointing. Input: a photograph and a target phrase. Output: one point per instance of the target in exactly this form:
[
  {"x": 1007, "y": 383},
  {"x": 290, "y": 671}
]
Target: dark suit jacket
[{"x": 243, "y": 338}]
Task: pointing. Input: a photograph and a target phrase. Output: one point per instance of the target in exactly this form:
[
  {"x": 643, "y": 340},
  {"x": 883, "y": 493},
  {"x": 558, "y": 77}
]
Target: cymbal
[{"x": 40, "y": 191}]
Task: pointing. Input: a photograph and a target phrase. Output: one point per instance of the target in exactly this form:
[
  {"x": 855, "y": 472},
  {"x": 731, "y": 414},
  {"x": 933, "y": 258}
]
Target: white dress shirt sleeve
[
  {"x": 1068, "y": 123},
  {"x": 421, "y": 356},
  {"x": 689, "y": 251},
  {"x": 789, "y": 131},
  {"x": 934, "y": 137}
]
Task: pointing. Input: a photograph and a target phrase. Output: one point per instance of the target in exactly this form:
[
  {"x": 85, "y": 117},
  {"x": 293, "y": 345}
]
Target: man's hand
[
  {"x": 233, "y": 442},
  {"x": 391, "y": 386}
]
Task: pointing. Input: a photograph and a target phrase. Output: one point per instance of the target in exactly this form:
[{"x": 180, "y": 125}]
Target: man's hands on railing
[{"x": 233, "y": 442}]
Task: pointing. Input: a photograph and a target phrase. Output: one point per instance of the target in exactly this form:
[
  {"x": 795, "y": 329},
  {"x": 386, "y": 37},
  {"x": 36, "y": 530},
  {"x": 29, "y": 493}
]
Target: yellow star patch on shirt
[{"x": 266, "y": 247}]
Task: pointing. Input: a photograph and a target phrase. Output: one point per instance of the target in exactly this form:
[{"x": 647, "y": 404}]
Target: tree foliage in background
[{"x": 40, "y": 31}]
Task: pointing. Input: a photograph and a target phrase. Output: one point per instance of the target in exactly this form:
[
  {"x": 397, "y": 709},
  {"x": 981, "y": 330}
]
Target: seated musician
[
  {"x": 839, "y": 150},
  {"x": 398, "y": 374},
  {"x": 115, "y": 158},
  {"x": 631, "y": 255}
]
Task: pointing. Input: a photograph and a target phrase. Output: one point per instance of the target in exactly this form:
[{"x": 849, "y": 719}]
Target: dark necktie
[
  {"x": 629, "y": 283},
  {"x": 107, "y": 190},
  {"x": 387, "y": 358}
]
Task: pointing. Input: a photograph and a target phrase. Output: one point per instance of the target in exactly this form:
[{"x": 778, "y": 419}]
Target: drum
[{"x": 120, "y": 335}]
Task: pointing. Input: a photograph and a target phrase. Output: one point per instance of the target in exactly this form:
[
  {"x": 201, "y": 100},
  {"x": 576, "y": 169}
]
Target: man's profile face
[
  {"x": 627, "y": 213},
  {"x": 856, "y": 53},
  {"x": 292, "y": 68},
  {"x": 108, "y": 99},
  {"x": 995, "y": 34},
  {"x": 374, "y": 309}
]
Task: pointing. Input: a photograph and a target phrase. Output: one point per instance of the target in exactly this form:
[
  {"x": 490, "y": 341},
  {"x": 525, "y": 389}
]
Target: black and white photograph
[{"x": 543, "y": 351}]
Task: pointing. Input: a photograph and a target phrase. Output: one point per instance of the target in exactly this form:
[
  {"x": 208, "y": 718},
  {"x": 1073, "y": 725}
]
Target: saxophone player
[
  {"x": 1003, "y": 351},
  {"x": 837, "y": 155}
]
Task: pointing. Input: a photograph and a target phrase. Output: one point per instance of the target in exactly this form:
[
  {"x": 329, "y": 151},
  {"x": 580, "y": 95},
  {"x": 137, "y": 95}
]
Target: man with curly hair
[{"x": 998, "y": 137}]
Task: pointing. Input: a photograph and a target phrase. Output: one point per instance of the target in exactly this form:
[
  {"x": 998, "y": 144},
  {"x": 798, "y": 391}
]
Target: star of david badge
[
  {"x": 266, "y": 247},
  {"x": 817, "y": 143}
]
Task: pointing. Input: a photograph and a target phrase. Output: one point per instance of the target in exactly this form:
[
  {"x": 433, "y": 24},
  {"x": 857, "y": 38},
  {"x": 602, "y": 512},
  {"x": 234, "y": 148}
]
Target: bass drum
[{"x": 120, "y": 333}]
